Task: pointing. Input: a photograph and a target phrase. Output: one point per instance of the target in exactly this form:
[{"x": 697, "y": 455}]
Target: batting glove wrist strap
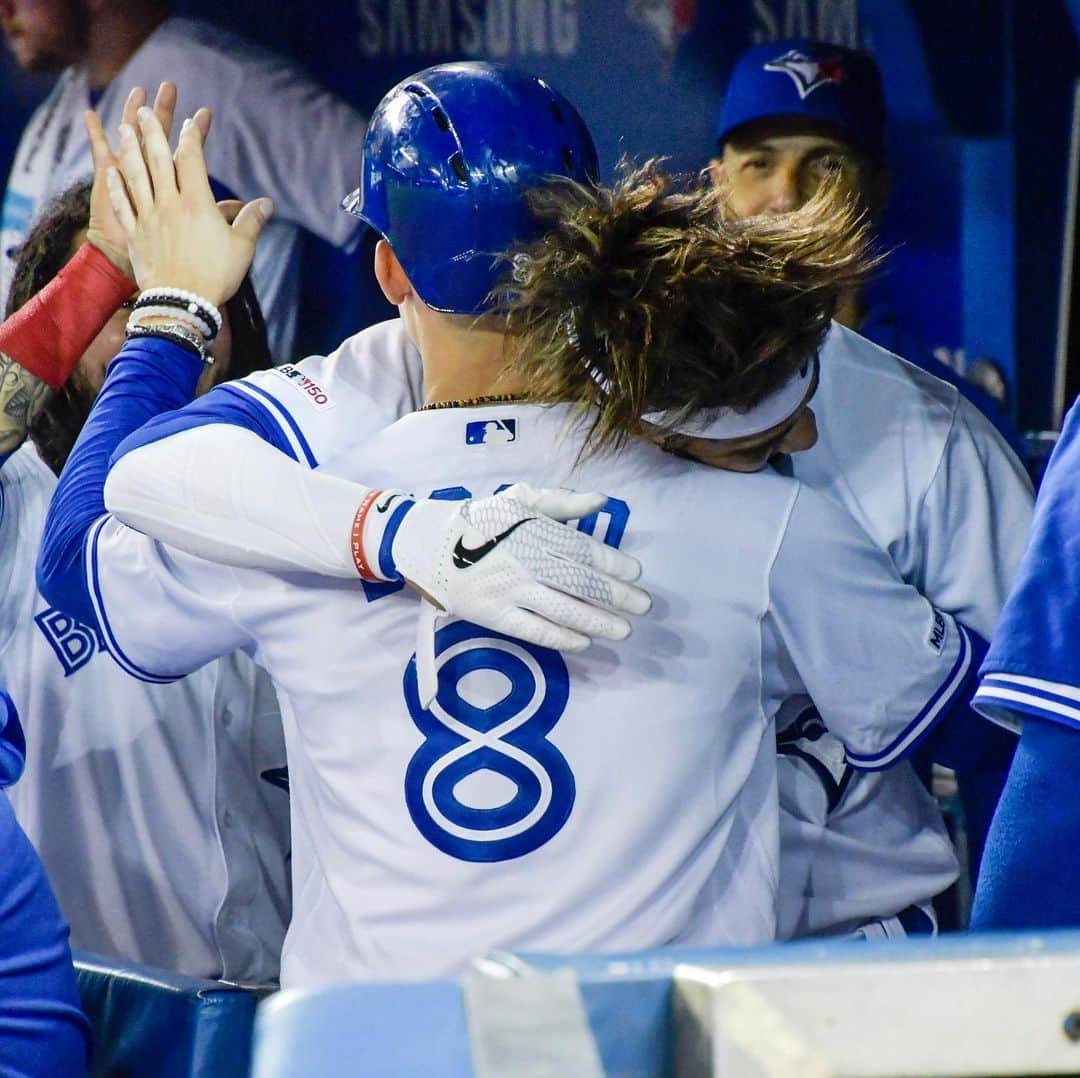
[{"x": 374, "y": 529}]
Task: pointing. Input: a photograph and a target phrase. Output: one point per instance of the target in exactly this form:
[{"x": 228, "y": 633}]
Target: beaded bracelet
[
  {"x": 179, "y": 297},
  {"x": 141, "y": 315}
]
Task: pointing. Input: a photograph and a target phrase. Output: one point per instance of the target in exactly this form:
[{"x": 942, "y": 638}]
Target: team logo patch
[
  {"x": 936, "y": 639},
  {"x": 806, "y": 72},
  {"x": 491, "y": 432},
  {"x": 307, "y": 387},
  {"x": 73, "y": 643}
]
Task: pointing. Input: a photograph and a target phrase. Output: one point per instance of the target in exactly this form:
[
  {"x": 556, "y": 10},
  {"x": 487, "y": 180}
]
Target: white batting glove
[{"x": 505, "y": 563}]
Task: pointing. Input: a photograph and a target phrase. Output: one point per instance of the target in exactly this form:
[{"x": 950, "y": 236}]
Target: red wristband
[
  {"x": 363, "y": 567},
  {"x": 49, "y": 334}
]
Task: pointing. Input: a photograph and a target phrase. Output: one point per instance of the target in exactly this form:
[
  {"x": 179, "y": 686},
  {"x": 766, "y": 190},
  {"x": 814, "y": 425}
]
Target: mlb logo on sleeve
[
  {"x": 491, "y": 432},
  {"x": 936, "y": 639}
]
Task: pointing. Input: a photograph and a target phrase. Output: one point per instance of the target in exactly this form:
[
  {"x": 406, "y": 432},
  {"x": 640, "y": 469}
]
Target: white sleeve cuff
[{"x": 1008, "y": 698}]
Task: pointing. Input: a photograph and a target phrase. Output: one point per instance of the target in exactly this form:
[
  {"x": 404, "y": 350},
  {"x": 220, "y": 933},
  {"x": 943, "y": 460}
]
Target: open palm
[{"x": 104, "y": 230}]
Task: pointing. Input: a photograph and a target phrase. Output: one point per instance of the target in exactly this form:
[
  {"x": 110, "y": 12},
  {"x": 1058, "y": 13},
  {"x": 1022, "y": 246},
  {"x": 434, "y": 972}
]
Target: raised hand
[
  {"x": 176, "y": 235},
  {"x": 104, "y": 230}
]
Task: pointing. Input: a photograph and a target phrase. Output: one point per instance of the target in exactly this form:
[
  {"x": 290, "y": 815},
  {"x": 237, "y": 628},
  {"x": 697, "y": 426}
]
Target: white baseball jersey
[
  {"x": 933, "y": 484},
  {"x": 621, "y": 798},
  {"x": 144, "y": 800},
  {"x": 922, "y": 471},
  {"x": 275, "y": 133},
  {"x": 952, "y": 516}
]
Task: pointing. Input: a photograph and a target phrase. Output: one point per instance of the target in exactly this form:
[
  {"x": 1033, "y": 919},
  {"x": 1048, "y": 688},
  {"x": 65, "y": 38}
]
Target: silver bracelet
[{"x": 179, "y": 334}]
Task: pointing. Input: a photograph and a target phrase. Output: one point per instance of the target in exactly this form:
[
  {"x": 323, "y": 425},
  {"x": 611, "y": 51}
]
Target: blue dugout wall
[{"x": 980, "y": 98}]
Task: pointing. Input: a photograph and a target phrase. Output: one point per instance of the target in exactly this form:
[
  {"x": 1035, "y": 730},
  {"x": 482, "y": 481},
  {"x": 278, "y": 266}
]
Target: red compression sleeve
[{"x": 49, "y": 334}]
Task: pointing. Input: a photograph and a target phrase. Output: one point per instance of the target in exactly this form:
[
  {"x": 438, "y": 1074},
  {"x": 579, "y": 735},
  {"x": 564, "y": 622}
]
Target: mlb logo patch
[
  {"x": 491, "y": 432},
  {"x": 936, "y": 639}
]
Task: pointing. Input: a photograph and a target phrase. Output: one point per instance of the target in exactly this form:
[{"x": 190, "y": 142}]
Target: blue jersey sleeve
[
  {"x": 1034, "y": 836},
  {"x": 1033, "y": 667},
  {"x": 42, "y": 1028},
  {"x": 146, "y": 378}
]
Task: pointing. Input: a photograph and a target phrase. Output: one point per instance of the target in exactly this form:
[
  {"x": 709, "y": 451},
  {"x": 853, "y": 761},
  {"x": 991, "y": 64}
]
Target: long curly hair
[
  {"x": 45, "y": 252},
  {"x": 649, "y": 297}
]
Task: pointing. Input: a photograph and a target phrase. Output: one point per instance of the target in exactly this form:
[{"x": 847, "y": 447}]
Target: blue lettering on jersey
[
  {"x": 491, "y": 431},
  {"x": 610, "y": 521},
  {"x": 612, "y": 517},
  {"x": 508, "y": 737},
  {"x": 74, "y": 643}
]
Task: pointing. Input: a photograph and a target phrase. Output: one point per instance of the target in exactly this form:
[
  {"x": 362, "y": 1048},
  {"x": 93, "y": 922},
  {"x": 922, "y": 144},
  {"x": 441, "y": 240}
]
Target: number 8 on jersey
[{"x": 487, "y": 784}]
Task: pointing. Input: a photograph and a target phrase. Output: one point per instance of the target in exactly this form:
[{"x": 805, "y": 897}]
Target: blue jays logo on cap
[
  {"x": 807, "y": 72},
  {"x": 852, "y": 105},
  {"x": 491, "y": 431}
]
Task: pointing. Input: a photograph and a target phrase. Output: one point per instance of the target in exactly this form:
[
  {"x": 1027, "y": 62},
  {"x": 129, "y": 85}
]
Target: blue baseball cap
[{"x": 834, "y": 85}]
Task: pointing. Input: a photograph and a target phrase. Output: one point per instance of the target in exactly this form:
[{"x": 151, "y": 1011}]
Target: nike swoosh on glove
[{"x": 508, "y": 564}]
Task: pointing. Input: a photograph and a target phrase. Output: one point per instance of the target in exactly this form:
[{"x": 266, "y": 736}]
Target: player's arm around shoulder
[
  {"x": 973, "y": 520},
  {"x": 309, "y": 411},
  {"x": 210, "y": 477},
  {"x": 881, "y": 663}
]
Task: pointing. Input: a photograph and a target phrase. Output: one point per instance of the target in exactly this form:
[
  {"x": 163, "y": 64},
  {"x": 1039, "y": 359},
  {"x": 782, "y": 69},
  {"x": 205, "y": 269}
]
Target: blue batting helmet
[{"x": 449, "y": 155}]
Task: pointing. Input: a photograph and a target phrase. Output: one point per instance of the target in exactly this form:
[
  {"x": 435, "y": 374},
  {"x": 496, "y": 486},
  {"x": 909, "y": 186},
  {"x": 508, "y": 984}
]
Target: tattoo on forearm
[{"x": 22, "y": 396}]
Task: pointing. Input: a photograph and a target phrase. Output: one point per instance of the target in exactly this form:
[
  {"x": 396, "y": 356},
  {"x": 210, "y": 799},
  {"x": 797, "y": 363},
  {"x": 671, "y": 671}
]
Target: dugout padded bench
[{"x": 153, "y": 1022}]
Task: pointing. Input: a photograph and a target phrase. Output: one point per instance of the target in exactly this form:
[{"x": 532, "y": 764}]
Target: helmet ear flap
[{"x": 449, "y": 156}]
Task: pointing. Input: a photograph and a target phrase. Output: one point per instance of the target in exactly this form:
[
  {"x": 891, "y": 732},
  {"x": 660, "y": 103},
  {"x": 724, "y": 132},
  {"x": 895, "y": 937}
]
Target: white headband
[{"x": 721, "y": 423}]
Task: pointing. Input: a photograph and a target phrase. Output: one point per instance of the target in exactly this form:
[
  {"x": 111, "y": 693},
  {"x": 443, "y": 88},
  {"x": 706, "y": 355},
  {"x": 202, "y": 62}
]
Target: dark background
[{"x": 980, "y": 97}]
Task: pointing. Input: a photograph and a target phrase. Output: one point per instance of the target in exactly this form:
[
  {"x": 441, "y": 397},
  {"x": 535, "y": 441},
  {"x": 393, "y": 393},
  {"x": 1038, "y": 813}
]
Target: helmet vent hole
[
  {"x": 568, "y": 158},
  {"x": 440, "y": 119},
  {"x": 556, "y": 112},
  {"x": 457, "y": 163}
]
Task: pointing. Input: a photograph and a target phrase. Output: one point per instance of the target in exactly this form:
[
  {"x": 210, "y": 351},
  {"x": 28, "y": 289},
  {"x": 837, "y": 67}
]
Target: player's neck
[
  {"x": 113, "y": 39},
  {"x": 464, "y": 364},
  {"x": 851, "y": 311}
]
